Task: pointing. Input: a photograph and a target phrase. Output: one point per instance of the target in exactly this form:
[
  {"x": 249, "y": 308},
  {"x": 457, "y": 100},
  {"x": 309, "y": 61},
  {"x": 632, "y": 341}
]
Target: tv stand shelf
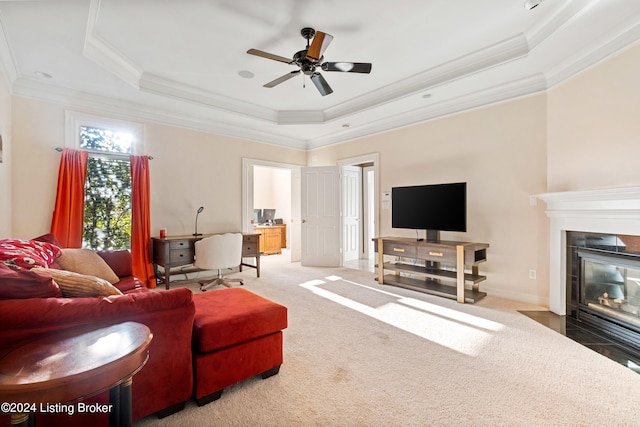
[{"x": 419, "y": 266}]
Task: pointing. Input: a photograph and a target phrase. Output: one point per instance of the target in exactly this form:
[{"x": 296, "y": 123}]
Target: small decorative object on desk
[{"x": 163, "y": 233}]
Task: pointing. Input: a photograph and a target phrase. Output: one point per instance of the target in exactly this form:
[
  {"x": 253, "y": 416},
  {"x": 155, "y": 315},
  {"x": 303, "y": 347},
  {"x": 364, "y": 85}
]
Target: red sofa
[{"x": 164, "y": 383}]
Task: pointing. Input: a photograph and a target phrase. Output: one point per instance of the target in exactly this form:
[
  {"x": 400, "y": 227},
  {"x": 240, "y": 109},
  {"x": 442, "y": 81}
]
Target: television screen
[{"x": 430, "y": 207}]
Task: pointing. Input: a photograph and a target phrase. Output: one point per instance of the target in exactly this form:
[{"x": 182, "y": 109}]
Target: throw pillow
[
  {"x": 75, "y": 285},
  {"x": 49, "y": 238},
  {"x": 88, "y": 262},
  {"x": 18, "y": 283},
  {"x": 28, "y": 253}
]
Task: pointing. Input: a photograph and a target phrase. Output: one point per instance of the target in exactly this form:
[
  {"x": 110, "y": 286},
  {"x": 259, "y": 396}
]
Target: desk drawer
[
  {"x": 439, "y": 254},
  {"x": 181, "y": 256},
  {"x": 250, "y": 249},
  {"x": 251, "y": 238},
  {"x": 180, "y": 244},
  {"x": 394, "y": 248}
]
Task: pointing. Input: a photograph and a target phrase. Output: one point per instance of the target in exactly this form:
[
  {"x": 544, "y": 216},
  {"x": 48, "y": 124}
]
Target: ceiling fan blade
[
  {"x": 347, "y": 67},
  {"x": 267, "y": 55},
  {"x": 318, "y": 46},
  {"x": 321, "y": 84},
  {"x": 281, "y": 79}
]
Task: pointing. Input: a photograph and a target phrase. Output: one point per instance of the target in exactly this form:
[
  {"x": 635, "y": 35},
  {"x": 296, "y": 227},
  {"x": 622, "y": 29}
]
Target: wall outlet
[
  {"x": 532, "y": 274},
  {"x": 533, "y": 200}
]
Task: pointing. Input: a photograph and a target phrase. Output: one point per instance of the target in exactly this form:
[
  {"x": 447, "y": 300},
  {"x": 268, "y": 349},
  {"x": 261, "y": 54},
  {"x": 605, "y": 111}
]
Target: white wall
[
  {"x": 500, "y": 151},
  {"x": 189, "y": 169},
  {"x": 5, "y": 156}
]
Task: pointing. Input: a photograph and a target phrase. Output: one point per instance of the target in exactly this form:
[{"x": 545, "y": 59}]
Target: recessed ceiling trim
[
  {"x": 507, "y": 50},
  {"x": 152, "y": 83},
  {"x": 577, "y": 64},
  {"x": 562, "y": 17},
  {"x": 105, "y": 55}
]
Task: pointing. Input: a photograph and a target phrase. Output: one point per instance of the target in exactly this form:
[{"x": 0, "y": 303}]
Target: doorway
[
  {"x": 368, "y": 218},
  {"x": 274, "y": 186}
]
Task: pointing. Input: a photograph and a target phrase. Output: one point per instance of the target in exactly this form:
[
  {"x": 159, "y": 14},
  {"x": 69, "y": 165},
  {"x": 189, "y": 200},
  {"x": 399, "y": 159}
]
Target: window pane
[
  {"x": 102, "y": 139},
  {"x": 107, "y": 211}
]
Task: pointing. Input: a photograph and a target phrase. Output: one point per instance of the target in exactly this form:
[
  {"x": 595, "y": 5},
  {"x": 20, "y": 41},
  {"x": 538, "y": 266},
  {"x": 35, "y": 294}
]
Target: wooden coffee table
[{"x": 55, "y": 372}]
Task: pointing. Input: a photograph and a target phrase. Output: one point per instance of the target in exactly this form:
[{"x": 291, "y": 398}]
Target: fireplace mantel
[{"x": 613, "y": 210}]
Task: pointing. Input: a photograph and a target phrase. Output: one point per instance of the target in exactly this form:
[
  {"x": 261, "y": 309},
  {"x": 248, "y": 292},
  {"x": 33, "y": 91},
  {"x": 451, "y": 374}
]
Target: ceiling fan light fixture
[
  {"x": 344, "y": 66},
  {"x": 530, "y": 4}
]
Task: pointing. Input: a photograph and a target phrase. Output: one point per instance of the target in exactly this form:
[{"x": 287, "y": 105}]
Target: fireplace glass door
[{"x": 610, "y": 286}]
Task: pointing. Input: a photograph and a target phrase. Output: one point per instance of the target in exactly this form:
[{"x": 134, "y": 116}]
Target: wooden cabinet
[
  {"x": 437, "y": 268},
  {"x": 271, "y": 241}
]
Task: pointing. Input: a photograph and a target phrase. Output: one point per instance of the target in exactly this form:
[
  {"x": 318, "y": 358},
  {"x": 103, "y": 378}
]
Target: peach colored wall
[
  {"x": 594, "y": 127},
  {"x": 500, "y": 151},
  {"x": 5, "y": 165},
  {"x": 189, "y": 169}
]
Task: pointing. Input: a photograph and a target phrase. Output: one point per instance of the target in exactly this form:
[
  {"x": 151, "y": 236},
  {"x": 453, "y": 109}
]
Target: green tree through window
[{"x": 107, "y": 209}]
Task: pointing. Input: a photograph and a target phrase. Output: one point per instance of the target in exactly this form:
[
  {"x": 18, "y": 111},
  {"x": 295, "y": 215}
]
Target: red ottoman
[{"x": 236, "y": 335}]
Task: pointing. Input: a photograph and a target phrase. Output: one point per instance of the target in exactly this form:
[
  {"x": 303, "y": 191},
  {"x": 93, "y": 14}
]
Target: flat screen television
[{"x": 434, "y": 208}]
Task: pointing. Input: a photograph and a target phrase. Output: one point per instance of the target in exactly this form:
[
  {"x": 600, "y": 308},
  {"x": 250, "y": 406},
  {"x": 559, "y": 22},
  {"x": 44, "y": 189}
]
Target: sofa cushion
[
  {"x": 120, "y": 261},
  {"x": 18, "y": 283},
  {"x": 88, "y": 262},
  {"x": 226, "y": 317},
  {"x": 48, "y": 238},
  {"x": 28, "y": 253},
  {"x": 130, "y": 285},
  {"x": 75, "y": 285}
]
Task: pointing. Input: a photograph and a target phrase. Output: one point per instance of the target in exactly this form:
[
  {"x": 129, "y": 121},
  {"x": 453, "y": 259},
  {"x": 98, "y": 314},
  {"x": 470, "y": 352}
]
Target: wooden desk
[
  {"x": 69, "y": 366},
  {"x": 179, "y": 251}
]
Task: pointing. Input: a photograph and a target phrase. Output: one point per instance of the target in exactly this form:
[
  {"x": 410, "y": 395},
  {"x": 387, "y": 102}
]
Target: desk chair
[{"x": 217, "y": 252}]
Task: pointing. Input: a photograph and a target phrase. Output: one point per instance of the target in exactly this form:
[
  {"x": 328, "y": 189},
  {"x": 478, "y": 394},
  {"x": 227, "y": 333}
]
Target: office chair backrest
[{"x": 219, "y": 251}]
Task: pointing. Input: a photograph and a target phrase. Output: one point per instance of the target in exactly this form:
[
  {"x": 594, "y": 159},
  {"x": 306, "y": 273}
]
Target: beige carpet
[{"x": 360, "y": 354}]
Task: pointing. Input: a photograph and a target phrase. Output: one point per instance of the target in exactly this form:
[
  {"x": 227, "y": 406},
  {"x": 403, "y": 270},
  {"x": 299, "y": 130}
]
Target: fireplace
[
  {"x": 603, "y": 283},
  {"x": 592, "y": 224}
]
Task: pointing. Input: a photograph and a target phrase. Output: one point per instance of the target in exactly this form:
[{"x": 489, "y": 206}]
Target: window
[
  {"x": 107, "y": 209},
  {"x": 107, "y": 194}
]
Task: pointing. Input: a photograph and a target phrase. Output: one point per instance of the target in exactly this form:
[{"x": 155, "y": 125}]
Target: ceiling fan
[{"x": 311, "y": 58}]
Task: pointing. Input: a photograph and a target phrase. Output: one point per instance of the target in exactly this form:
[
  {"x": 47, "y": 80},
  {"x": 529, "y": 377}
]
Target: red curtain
[
  {"x": 141, "y": 220},
  {"x": 68, "y": 213}
]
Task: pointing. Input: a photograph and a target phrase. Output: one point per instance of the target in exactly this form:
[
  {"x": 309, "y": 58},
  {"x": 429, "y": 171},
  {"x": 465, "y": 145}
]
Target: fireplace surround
[{"x": 607, "y": 217}]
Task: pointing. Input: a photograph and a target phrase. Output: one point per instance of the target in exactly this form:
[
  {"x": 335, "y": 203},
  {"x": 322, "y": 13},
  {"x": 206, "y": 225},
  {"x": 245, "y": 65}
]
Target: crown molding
[
  {"x": 155, "y": 84},
  {"x": 126, "y": 110},
  {"x": 503, "y": 92},
  {"x": 577, "y": 64},
  {"x": 564, "y": 16}
]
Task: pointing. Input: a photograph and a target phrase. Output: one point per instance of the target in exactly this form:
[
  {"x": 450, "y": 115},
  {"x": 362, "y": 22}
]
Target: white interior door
[
  {"x": 351, "y": 212},
  {"x": 320, "y": 212}
]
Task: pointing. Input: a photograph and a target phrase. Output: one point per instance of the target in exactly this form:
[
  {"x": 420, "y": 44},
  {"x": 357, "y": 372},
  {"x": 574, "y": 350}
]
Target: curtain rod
[{"x": 59, "y": 150}]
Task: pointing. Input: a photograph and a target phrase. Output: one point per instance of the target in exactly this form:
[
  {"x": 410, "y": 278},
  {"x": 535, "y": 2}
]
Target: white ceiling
[{"x": 179, "y": 61}]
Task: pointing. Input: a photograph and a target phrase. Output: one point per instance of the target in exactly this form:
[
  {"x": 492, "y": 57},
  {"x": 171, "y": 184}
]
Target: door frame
[
  {"x": 247, "y": 200},
  {"x": 375, "y": 159}
]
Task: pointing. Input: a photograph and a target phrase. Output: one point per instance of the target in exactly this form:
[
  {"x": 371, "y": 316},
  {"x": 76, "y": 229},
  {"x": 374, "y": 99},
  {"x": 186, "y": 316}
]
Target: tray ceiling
[{"x": 185, "y": 63}]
